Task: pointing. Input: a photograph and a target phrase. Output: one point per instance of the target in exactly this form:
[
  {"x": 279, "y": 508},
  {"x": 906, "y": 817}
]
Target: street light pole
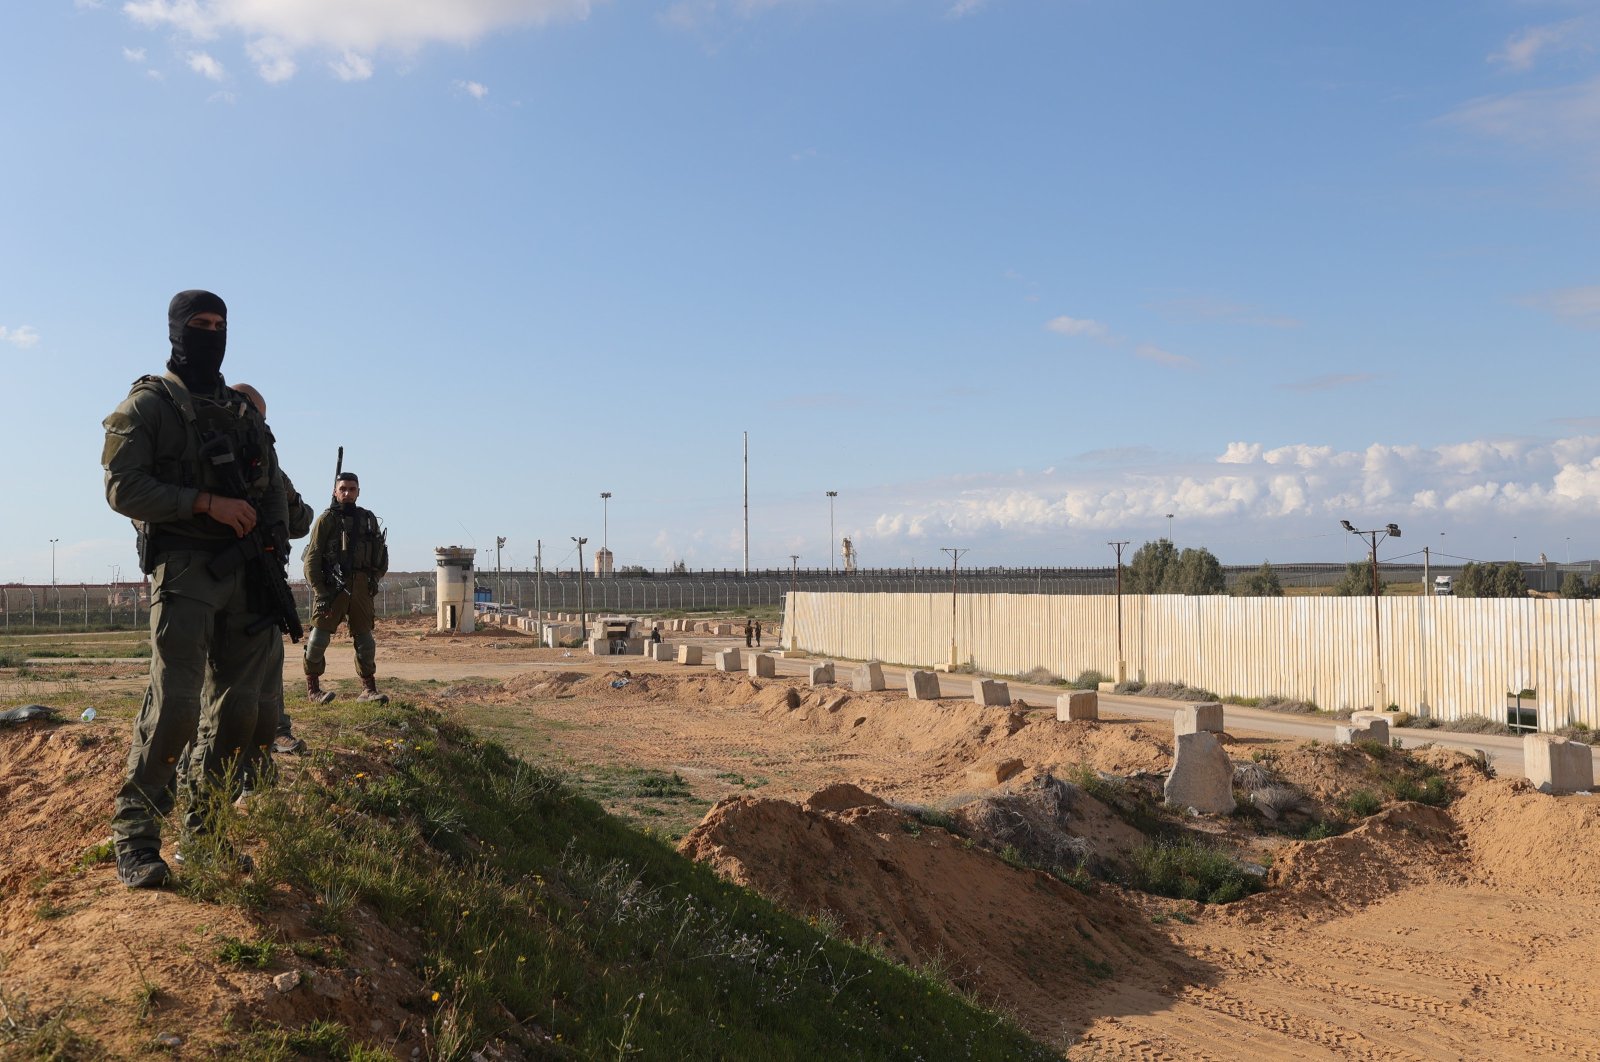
[
  {"x": 53, "y": 542},
  {"x": 832, "y": 494},
  {"x": 1169, "y": 527},
  {"x": 788, "y": 606},
  {"x": 583, "y": 615},
  {"x": 1389, "y": 531},
  {"x": 955, "y": 563},
  {"x": 1122, "y": 663},
  {"x": 605, "y": 520}
]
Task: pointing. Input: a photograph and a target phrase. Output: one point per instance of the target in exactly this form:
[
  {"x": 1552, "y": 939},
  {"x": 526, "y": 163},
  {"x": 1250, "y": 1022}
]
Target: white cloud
[
  {"x": 205, "y": 66},
  {"x": 1575, "y": 304},
  {"x": 1316, "y": 485},
  {"x": 1077, "y": 326},
  {"x": 222, "y": 96},
  {"x": 352, "y": 30},
  {"x": 1331, "y": 381},
  {"x": 1151, "y": 352},
  {"x": 1550, "y": 118},
  {"x": 963, "y": 8},
  {"x": 133, "y": 55},
  {"x": 1525, "y": 47},
  {"x": 24, "y": 337},
  {"x": 351, "y": 66},
  {"x": 274, "y": 60},
  {"x": 473, "y": 88}
]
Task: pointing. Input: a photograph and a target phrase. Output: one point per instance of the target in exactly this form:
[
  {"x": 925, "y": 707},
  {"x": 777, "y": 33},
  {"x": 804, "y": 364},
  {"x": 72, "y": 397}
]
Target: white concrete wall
[{"x": 1456, "y": 656}]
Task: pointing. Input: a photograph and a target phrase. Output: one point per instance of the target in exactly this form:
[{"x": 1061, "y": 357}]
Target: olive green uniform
[
  {"x": 272, "y": 719},
  {"x": 348, "y": 548},
  {"x": 202, "y": 626}
]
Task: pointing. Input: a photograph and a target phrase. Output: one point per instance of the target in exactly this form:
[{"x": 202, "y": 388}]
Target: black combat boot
[
  {"x": 369, "y": 690},
  {"x": 315, "y": 693}
]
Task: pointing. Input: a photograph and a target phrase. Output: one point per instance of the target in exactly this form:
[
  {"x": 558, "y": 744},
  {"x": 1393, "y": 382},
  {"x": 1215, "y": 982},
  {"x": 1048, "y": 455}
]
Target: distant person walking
[
  {"x": 346, "y": 559},
  {"x": 749, "y": 632},
  {"x": 758, "y": 633}
]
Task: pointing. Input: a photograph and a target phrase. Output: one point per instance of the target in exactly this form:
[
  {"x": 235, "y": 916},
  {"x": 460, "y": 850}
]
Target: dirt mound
[
  {"x": 1407, "y": 845},
  {"x": 1522, "y": 840},
  {"x": 73, "y": 940},
  {"x": 1012, "y": 936}
]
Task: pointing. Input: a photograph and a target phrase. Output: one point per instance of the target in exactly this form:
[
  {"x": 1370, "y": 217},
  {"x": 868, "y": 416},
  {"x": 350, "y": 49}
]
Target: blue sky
[{"x": 1015, "y": 277}]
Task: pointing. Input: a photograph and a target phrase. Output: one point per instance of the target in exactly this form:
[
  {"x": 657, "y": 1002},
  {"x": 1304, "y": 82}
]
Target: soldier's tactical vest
[
  {"x": 362, "y": 544},
  {"x": 225, "y": 454}
]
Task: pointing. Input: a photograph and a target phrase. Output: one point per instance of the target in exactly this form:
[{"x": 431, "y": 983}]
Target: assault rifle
[
  {"x": 269, "y": 569},
  {"x": 265, "y": 549}
]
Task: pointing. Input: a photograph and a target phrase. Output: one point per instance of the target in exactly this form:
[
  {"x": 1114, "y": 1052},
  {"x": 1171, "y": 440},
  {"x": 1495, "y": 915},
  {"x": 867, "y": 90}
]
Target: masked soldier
[
  {"x": 189, "y": 460},
  {"x": 347, "y": 557}
]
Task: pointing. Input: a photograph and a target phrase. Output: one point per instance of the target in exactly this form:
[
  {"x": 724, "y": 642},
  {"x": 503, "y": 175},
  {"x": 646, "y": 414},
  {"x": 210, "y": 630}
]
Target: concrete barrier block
[
  {"x": 688, "y": 654},
  {"x": 1197, "y": 718},
  {"x": 822, "y": 673},
  {"x": 922, "y": 685},
  {"x": 1079, "y": 706},
  {"x": 1201, "y": 775},
  {"x": 599, "y": 647},
  {"x": 657, "y": 651},
  {"x": 1557, "y": 765},
  {"x": 1107, "y": 687},
  {"x": 867, "y": 678},
  {"x": 1372, "y": 730},
  {"x": 762, "y": 665},
  {"x": 993, "y": 772},
  {"x": 730, "y": 660},
  {"x": 991, "y": 692}
]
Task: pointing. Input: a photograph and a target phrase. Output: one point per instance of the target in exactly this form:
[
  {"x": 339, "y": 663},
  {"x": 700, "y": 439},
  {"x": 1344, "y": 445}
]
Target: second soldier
[{"x": 345, "y": 561}]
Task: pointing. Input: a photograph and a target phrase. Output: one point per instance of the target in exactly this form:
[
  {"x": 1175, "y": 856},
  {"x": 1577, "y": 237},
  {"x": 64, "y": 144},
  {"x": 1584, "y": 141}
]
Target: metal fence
[{"x": 126, "y": 604}]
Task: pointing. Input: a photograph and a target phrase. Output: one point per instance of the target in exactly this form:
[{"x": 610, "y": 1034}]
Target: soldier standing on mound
[
  {"x": 347, "y": 557},
  {"x": 191, "y": 462}
]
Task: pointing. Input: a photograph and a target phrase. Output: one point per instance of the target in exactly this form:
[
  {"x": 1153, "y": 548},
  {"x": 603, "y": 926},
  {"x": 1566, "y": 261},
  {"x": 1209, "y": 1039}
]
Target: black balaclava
[{"x": 196, "y": 352}]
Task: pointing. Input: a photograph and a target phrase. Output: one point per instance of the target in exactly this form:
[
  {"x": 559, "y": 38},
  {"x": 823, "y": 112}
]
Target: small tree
[
  {"x": 1492, "y": 580},
  {"x": 1263, "y": 582},
  {"x": 1574, "y": 586},
  {"x": 1196, "y": 572},
  {"x": 1147, "y": 571},
  {"x": 1509, "y": 581},
  {"x": 1357, "y": 581}
]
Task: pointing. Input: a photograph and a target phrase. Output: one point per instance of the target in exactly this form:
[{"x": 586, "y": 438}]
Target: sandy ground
[{"x": 1464, "y": 933}]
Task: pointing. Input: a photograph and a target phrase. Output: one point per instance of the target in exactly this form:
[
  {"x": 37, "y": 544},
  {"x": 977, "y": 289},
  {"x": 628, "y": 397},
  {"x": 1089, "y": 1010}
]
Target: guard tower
[{"x": 454, "y": 588}]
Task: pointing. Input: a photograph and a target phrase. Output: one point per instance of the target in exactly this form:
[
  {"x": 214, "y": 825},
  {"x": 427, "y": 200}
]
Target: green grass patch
[
  {"x": 1362, "y": 802},
  {"x": 1187, "y": 869},
  {"x": 546, "y": 922},
  {"x": 237, "y": 952}
]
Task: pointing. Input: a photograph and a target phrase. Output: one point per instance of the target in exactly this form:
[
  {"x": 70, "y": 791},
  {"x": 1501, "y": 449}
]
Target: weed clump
[{"x": 1187, "y": 869}]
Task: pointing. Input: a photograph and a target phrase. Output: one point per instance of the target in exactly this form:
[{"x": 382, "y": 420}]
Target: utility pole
[
  {"x": 538, "y": 584},
  {"x": 1427, "y": 574},
  {"x": 1122, "y": 662},
  {"x": 583, "y": 616},
  {"x": 499, "y": 544},
  {"x": 747, "y": 504},
  {"x": 788, "y": 607},
  {"x": 53, "y": 542},
  {"x": 955, "y": 563},
  {"x": 1389, "y": 531}
]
